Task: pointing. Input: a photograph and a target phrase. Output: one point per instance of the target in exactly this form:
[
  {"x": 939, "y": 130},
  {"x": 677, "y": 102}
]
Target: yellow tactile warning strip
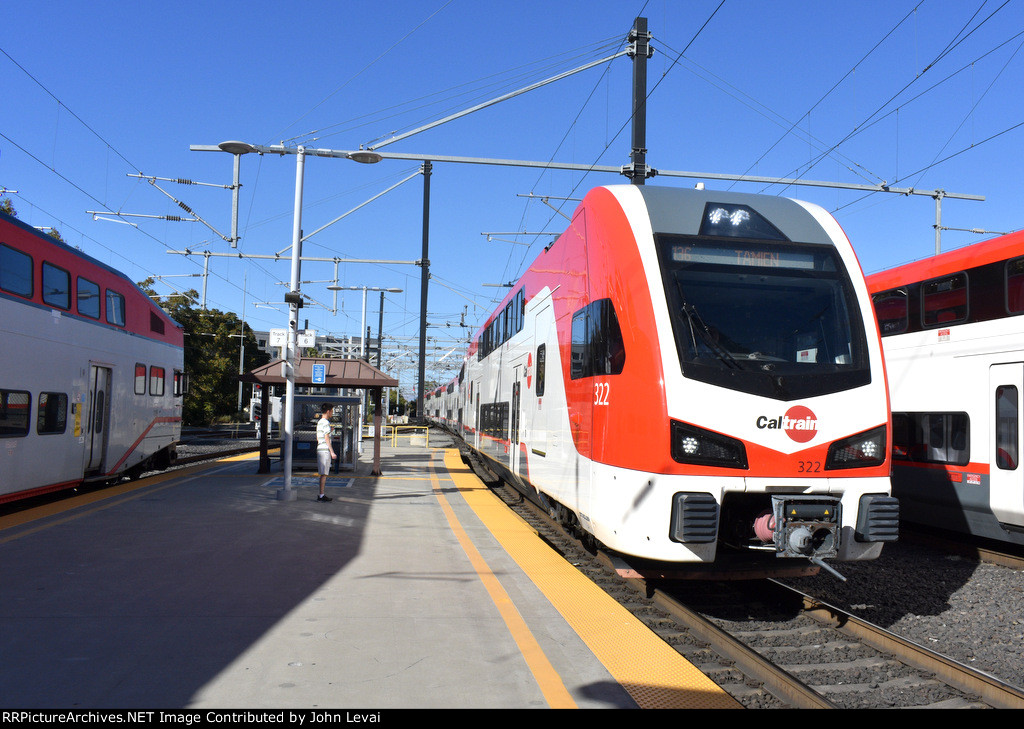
[{"x": 655, "y": 675}]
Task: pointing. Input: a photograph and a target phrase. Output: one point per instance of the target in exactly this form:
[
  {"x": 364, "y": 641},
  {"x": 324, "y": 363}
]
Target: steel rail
[
  {"x": 992, "y": 690},
  {"x": 776, "y": 680}
]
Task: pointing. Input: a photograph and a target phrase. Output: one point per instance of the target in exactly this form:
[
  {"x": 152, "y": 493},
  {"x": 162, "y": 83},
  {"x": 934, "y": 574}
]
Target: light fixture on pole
[
  {"x": 365, "y": 157},
  {"x": 237, "y": 149}
]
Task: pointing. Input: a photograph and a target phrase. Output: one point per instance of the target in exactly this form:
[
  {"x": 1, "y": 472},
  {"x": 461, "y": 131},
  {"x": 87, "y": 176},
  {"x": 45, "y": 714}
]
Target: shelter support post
[
  {"x": 264, "y": 428},
  {"x": 377, "y": 424}
]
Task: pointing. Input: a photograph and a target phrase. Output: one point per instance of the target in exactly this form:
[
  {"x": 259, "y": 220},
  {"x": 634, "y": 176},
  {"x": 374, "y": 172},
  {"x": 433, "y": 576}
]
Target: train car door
[
  {"x": 513, "y": 430},
  {"x": 516, "y": 420},
  {"x": 536, "y": 416},
  {"x": 98, "y": 423},
  {"x": 1006, "y": 473}
]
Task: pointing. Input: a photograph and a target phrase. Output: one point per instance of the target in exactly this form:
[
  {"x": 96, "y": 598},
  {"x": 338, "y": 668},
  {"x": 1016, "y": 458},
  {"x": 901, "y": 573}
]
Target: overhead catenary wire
[
  {"x": 959, "y": 38},
  {"x": 647, "y": 98}
]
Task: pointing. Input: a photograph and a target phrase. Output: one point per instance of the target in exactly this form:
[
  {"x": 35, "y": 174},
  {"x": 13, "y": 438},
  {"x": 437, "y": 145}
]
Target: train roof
[
  {"x": 63, "y": 254},
  {"x": 978, "y": 254},
  {"x": 680, "y": 210}
]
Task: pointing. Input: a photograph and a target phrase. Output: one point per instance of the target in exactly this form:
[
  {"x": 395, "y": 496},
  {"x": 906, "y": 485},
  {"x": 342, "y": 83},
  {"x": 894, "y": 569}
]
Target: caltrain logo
[{"x": 800, "y": 423}]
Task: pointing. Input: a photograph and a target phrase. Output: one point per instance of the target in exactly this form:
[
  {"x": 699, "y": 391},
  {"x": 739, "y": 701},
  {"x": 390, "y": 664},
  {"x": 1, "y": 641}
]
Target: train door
[
  {"x": 98, "y": 424},
  {"x": 536, "y": 384},
  {"x": 516, "y": 417},
  {"x": 1006, "y": 474}
]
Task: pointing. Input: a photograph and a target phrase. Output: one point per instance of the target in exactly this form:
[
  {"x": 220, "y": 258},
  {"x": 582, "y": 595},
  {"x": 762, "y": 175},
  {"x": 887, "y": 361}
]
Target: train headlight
[
  {"x": 858, "y": 451},
  {"x": 697, "y": 446},
  {"x": 732, "y": 220}
]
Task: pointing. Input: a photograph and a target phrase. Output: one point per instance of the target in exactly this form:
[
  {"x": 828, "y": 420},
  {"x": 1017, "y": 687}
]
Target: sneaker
[{"x": 323, "y": 497}]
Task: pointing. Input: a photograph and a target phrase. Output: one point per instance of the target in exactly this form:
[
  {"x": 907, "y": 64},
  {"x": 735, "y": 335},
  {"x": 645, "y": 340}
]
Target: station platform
[{"x": 415, "y": 589}]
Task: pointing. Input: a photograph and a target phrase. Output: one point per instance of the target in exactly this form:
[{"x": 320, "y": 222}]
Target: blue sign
[{"x": 319, "y": 374}]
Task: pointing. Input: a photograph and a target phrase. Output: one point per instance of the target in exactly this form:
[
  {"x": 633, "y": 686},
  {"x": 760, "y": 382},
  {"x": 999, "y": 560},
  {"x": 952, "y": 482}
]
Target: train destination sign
[{"x": 747, "y": 256}]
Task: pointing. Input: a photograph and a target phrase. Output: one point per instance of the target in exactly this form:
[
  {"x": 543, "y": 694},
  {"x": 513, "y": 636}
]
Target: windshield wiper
[{"x": 698, "y": 327}]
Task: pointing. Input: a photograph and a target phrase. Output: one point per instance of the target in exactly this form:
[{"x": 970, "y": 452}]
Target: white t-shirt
[{"x": 323, "y": 433}]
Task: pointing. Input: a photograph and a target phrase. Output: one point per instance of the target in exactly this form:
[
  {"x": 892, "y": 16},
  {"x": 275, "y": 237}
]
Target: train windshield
[{"x": 774, "y": 319}]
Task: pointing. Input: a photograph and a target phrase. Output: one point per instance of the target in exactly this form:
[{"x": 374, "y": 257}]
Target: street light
[
  {"x": 365, "y": 157},
  {"x": 363, "y": 331},
  {"x": 237, "y": 149},
  {"x": 294, "y": 299}
]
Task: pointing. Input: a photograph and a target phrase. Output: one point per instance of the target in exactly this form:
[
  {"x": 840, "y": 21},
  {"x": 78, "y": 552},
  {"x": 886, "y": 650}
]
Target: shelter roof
[{"x": 339, "y": 373}]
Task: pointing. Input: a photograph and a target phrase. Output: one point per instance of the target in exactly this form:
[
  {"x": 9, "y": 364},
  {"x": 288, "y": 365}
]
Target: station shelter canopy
[{"x": 339, "y": 373}]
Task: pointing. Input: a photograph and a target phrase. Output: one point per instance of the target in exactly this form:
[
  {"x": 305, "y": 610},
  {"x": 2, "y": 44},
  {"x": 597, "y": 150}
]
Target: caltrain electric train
[
  {"x": 953, "y": 336},
  {"x": 689, "y": 376},
  {"x": 91, "y": 370}
]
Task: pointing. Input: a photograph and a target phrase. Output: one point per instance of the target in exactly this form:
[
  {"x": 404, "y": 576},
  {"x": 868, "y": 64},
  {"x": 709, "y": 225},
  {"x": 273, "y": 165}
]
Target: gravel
[
  {"x": 968, "y": 611},
  {"x": 214, "y": 446}
]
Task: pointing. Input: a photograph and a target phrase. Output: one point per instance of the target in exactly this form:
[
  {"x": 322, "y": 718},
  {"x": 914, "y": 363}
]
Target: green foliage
[
  {"x": 6, "y": 206},
  {"x": 211, "y": 356}
]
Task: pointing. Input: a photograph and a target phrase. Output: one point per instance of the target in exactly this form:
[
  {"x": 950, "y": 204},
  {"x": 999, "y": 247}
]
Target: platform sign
[
  {"x": 278, "y": 337},
  {"x": 319, "y": 374},
  {"x": 306, "y": 339}
]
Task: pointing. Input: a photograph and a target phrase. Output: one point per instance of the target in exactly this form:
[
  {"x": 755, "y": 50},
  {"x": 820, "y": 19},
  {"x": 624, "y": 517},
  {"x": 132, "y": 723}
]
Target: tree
[
  {"x": 6, "y": 206},
  {"x": 211, "y": 355}
]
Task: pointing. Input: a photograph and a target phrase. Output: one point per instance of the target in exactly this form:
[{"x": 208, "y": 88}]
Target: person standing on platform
[{"x": 324, "y": 449}]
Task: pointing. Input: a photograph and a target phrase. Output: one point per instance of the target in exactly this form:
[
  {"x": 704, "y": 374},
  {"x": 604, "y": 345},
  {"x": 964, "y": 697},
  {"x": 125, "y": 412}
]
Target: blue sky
[{"x": 916, "y": 94}]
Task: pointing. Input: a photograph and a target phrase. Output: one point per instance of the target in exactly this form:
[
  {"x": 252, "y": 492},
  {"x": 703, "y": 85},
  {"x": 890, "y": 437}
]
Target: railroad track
[
  {"x": 813, "y": 655},
  {"x": 771, "y": 646},
  {"x": 191, "y": 458},
  {"x": 1003, "y": 555}
]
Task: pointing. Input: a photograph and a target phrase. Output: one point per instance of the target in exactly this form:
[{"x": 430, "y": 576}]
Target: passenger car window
[
  {"x": 15, "y": 271},
  {"x": 56, "y": 286},
  {"x": 115, "y": 308},
  {"x": 52, "y": 413},
  {"x": 88, "y": 298}
]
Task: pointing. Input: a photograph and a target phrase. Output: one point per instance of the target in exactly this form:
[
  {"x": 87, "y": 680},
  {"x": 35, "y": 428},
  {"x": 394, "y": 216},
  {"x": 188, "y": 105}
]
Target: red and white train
[
  {"x": 91, "y": 370},
  {"x": 953, "y": 338},
  {"x": 689, "y": 376}
]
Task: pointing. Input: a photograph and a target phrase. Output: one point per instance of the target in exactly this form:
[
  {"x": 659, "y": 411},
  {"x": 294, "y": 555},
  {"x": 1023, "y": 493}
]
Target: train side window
[
  {"x": 522, "y": 309},
  {"x": 597, "y": 344},
  {"x": 15, "y": 271},
  {"x": 156, "y": 381},
  {"x": 1015, "y": 286},
  {"x": 494, "y": 420},
  {"x": 156, "y": 324},
  {"x": 56, "y": 286},
  {"x": 52, "y": 413},
  {"x": 944, "y": 300},
  {"x": 931, "y": 437},
  {"x": 1006, "y": 428},
  {"x": 542, "y": 354},
  {"x": 891, "y": 311},
  {"x": 140, "y": 379},
  {"x": 115, "y": 308},
  {"x": 579, "y": 345},
  {"x": 180, "y": 383},
  {"x": 14, "y": 413},
  {"x": 88, "y": 298}
]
